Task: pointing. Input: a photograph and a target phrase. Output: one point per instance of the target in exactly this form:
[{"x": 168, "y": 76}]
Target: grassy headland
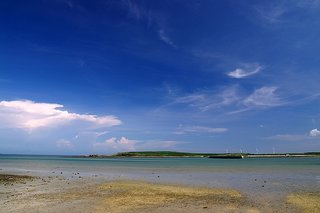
[{"x": 173, "y": 154}]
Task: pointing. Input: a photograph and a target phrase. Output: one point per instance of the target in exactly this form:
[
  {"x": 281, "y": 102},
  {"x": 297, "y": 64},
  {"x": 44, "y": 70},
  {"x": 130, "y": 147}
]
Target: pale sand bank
[{"x": 58, "y": 194}]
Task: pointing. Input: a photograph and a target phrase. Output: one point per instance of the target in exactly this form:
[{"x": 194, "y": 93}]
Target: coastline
[
  {"x": 174, "y": 154},
  {"x": 91, "y": 194}
]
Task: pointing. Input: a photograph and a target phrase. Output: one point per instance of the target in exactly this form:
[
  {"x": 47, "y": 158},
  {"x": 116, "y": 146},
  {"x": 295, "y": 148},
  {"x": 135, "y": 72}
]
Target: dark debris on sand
[{"x": 10, "y": 179}]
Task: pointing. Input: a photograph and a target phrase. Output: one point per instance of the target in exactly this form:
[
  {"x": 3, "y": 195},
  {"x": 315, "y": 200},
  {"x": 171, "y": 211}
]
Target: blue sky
[{"x": 103, "y": 76}]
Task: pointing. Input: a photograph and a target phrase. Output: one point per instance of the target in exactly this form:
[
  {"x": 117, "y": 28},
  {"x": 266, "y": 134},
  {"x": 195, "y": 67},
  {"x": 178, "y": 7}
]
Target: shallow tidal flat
[{"x": 60, "y": 194}]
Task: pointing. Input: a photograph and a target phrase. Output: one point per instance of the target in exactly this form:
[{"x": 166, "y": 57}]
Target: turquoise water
[{"x": 268, "y": 175}]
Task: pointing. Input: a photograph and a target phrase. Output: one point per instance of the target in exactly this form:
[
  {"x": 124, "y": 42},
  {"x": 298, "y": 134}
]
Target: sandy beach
[{"x": 22, "y": 193}]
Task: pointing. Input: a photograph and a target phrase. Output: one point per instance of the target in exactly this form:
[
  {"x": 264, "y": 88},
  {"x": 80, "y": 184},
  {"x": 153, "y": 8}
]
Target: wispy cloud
[
  {"x": 233, "y": 100},
  {"x": 165, "y": 38},
  {"x": 155, "y": 19},
  {"x": 289, "y": 137},
  {"x": 199, "y": 129},
  {"x": 264, "y": 97},
  {"x": 210, "y": 99},
  {"x": 245, "y": 71},
  {"x": 275, "y": 12},
  {"x": 271, "y": 13},
  {"x": 136, "y": 11},
  {"x": 29, "y": 115}
]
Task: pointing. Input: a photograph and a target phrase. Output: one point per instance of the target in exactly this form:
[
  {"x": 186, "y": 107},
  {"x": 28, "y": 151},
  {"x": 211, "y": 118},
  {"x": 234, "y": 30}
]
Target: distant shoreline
[{"x": 170, "y": 154}]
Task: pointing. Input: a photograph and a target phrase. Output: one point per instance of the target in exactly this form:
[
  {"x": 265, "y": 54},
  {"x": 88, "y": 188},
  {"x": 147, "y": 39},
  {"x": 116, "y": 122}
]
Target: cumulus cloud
[
  {"x": 125, "y": 144},
  {"x": 245, "y": 71},
  {"x": 122, "y": 144},
  {"x": 29, "y": 115},
  {"x": 264, "y": 96},
  {"x": 199, "y": 129},
  {"x": 314, "y": 133},
  {"x": 62, "y": 143}
]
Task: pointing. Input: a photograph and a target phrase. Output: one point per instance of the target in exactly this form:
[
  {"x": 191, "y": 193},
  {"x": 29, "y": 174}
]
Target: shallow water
[{"x": 272, "y": 177}]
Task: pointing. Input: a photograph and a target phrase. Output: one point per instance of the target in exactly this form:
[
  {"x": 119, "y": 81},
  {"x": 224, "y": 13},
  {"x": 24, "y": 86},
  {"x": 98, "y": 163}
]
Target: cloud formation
[
  {"x": 63, "y": 143},
  {"x": 271, "y": 14},
  {"x": 199, "y": 129},
  {"x": 245, "y": 71},
  {"x": 124, "y": 144},
  {"x": 165, "y": 38},
  {"x": 207, "y": 100},
  {"x": 29, "y": 115},
  {"x": 264, "y": 96},
  {"x": 288, "y": 137},
  {"x": 314, "y": 133},
  {"x": 232, "y": 99}
]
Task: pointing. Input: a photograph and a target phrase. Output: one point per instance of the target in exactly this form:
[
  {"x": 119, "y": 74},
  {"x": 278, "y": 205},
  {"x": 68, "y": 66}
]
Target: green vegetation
[
  {"x": 160, "y": 154},
  {"x": 164, "y": 154},
  {"x": 170, "y": 154},
  {"x": 312, "y": 153}
]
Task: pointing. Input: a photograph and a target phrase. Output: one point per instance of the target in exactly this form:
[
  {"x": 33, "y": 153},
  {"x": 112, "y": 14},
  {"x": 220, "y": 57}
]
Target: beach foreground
[{"x": 59, "y": 194}]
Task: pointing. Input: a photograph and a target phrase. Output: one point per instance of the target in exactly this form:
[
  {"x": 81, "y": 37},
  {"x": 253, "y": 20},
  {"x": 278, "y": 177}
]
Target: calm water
[{"x": 273, "y": 175}]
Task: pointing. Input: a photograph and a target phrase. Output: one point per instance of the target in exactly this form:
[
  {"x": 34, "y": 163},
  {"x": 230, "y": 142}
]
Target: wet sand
[{"x": 91, "y": 194}]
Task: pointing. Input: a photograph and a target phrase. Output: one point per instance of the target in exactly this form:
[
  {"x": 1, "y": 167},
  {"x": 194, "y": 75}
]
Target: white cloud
[
  {"x": 199, "y": 129},
  {"x": 122, "y": 144},
  {"x": 62, "y": 143},
  {"x": 264, "y": 96},
  {"x": 135, "y": 10},
  {"x": 314, "y": 133},
  {"x": 152, "y": 18},
  {"x": 225, "y": 97},
  {"x": 192, "y": 99},
  {"x": 159, "y": 145},
  {"x": 288, "y": 137},
  {"x": 29, "y": 115},
  {"x": 210, "y": 99},
  {"x": 292, "y": 137},
  {"x": 275, "y": 12},
  {"x": 165, "y": 38},
  {"x": 271, "y": 14},
  {"x": 232, "y": 100},
  {"x": 245, "y": 71}
]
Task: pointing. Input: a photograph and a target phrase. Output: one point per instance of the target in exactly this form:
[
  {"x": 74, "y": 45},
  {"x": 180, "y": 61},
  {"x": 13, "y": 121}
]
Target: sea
[{"x": 274, "y": 177}]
